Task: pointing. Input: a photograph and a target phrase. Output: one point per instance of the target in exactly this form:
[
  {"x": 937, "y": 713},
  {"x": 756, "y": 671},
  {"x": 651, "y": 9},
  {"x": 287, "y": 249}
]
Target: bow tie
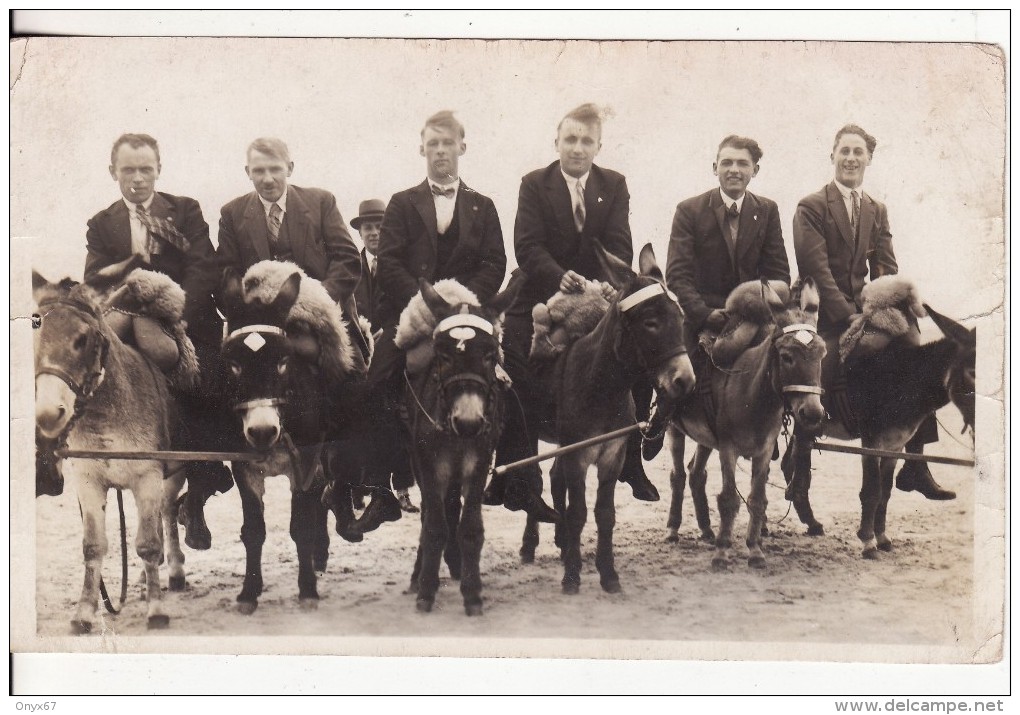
[{"x": 437, "y": 191}]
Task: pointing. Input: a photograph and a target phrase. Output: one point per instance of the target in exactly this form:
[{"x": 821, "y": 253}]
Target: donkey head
[
  {"x": 799, "y": 351},
  {"x": 466, "y": 353},
  {"x": 959, "y": 379},
  {"x": 652, "y": 323},
  {"x": 256, "y": 353}
]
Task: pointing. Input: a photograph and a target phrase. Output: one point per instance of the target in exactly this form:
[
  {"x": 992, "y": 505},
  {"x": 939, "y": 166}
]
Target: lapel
[
  {"x": 838, "y": 210},
  {"x": 559, "y": 198},
  {"x": 298, "y": 225},
  {"x": 467, "y": 212},
  {"x": 715, "y": 202},
  {"x": 594, "y": 200},
  {"x": 867, "y": 221},
  {"x": 750, "y": 220},
  {"x": 366, "y": 273},
  {"x": 421, "y": 199},
  {"x": 120, "y": 229},
  {"x": 254, "y": 226}
]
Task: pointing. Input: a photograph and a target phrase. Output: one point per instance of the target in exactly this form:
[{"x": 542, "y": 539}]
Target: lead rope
[{"x": 410, "y": 388}]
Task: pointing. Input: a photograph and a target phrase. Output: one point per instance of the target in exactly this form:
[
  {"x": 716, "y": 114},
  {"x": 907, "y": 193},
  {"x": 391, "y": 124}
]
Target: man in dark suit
[
  {"x": 438, "y": 229},
  {"x": 171, "y": 236},
  {"x": 562, "y": 210},
  {"x": 722, "y": 238},
  {"x": 841, "y": 237}
]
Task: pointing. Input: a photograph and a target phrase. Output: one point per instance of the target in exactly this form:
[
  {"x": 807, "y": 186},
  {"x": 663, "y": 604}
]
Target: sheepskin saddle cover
[
  {"x": 157, "y": 296},
  {"x": 414, "y": 329},
  {"x": 890, "y": 304},
  {"x": 747, "y": 317},
  {"x": 565, "y": 318},
  {"x": 314, "y": 310}
]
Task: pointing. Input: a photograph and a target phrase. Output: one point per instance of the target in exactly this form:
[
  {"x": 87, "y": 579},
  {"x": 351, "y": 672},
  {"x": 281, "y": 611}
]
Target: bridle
[
  {"x": 253, "y": 338},
  {"x": 650, "y": 292},
  {"x": 460, "y": 327},
  {"x": 804, "y": 333}
]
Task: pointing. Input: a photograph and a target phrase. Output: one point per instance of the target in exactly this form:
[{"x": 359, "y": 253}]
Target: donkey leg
[
  {"x": 677, "y": 484},
  {"x": 886, "y": 469},
  {"x": 530, "y": 540},
  {"x": 433, "y": 533},
  {"x": 796, "y": 467},
  {"x": 303, "y": 530},
  {"x": 452, "y": 552},
  {"x": 699, "y": 480},
  {"x": 320, "y": 549},
  {"x": 757, "y": 502},
  {"x": 471, "y": 535},
  {"x": 172, "y": 486},
  {"x": 252, "y": 487},
  {"x": 729, "y": 504},
  {"x": 605, "y": 519},
  {"x": 558, "y": 489},
  {"x": 92, "y": 500},
  {"x": 148, "y": 493},
  {"x": 871, "y": 488},
  {"x": 574, "y": 467}
]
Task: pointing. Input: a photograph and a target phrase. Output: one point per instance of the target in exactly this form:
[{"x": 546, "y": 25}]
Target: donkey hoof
[
  {"x": 473, "y": 609},
  {"x": 571, "y": 588},
  {"x": 81, "y": 627},
  {"x": 612, "y": 585},
  {"x": 673, "y": 537},
  {"x": 884, "y": 543},
  {"x": 815, "y": 529},
  {"x": 308, "y": 604},
  {"x": 527, "y": 556},
  {"x": 246, "y": 608},
  {"x": 870, "y": 553},
  {"x": 719, "y": 563},
  {"x": 756, "y": 562},
  {"x": 708, "y": 536},
  {"x": 424, "y": 605},
  {"x": 178, "y": 583},
  {"x": 158, "y": 622}
]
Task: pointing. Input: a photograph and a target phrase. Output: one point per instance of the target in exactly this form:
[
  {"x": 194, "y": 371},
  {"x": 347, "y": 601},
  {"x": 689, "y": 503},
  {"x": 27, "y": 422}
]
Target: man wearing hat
[{"x": 367, "y": 296}]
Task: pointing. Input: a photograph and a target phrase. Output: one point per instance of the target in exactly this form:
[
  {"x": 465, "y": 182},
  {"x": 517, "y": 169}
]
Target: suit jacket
[
  {"x": 826, "y": 250},
  {"x": 408, "y": 241},
  {"x": 547, "y": 243},
  {"x": 368, "y": 292},
  {"x": 108, "y": 241},
  {"x": 319, "y": 241},
  {"x": 701, "y": 266}
]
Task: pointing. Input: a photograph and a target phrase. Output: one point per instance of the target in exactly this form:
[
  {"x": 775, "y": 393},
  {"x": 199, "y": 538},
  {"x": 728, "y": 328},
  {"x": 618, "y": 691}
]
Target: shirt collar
[
  {"x": 146, "y": 204},
  {"x": 845, "y": 190},
  {"x": 455, "y": 185},
  {"x": 727, "y": 201},
  {"x": 282, "y": 201},
  {"x": 571, "y": 181}
]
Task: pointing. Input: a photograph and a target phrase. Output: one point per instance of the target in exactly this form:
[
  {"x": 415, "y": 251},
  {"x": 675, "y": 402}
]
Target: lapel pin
[
  {"x": 756, "y": 217},
  {"x": 600, "y": 200}
]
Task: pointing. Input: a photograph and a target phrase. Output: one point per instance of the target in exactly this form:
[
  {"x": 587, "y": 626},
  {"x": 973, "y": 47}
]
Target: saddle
[
  {"x": 563, "y": 319},
  {"x": 417, "y": 323}
]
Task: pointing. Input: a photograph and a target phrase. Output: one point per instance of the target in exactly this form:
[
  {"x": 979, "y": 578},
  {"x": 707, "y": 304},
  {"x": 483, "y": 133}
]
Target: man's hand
[
  {"x": 608, "y": 292},
  {"x": 572, "y": 282},
  {"x": 716, "y": 320}
]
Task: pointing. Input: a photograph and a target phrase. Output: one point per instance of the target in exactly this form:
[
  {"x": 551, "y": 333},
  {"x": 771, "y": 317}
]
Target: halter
[
  {"x": 635, "y": 299},
  {"x": 92, "y": 380},
  {"x": 254, "y": 341},
  {"x": 805, "y": 333}
]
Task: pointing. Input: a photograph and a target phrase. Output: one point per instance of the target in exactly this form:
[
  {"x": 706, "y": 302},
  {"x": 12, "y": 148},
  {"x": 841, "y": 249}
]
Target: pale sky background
[{"x": 351, "y": 111}]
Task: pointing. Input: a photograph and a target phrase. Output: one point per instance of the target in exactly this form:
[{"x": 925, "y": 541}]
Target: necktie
[
  {"x": 160, "y": 228},
  {"x": 438, "y": 191},
  {"x": 579, "y": 208},
  {"x": 273, "y": 223},
  {"x": 855, "y": 215},
  {"x": 733, "y": 219},
  {"x": 372, "y": 264}
]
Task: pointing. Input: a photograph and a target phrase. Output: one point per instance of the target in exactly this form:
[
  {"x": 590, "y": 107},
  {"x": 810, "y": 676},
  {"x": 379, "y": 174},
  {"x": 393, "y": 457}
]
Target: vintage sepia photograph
[{"x": 646, "y": 344}]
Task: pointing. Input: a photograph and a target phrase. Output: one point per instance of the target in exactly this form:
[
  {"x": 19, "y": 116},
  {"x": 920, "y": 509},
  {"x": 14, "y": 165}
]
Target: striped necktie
[
  {"x": 161, "y": 228},
  {"x": 273, "y": 223},
  {"x": 579, "y": 208},
  {"x": 855, "y": 216}
]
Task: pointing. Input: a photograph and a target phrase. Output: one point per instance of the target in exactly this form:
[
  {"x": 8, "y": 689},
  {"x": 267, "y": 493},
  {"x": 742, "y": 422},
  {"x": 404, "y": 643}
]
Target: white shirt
[
  {"x": 727, "y": 201},
  {"x": 572, "y": 188},
  {"x": 139, "y": 234},
  {"x": 848, "y": 200},
  {"x": 445, "y": 206},
  {"x": 281, "y": 202}
]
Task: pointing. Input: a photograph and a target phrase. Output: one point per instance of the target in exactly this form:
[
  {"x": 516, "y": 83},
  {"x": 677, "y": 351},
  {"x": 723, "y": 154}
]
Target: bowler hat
[{"x": 371, "y": 209}]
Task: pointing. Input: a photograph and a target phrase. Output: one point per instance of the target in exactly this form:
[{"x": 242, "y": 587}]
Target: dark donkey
[
  {"x": 640, "y": 335},
  {"x": 455, "y": 410},
  {"x": 890, "y": 393},
  {"x": 282, "y": 407},
  {"x": 781, "y": 374}
]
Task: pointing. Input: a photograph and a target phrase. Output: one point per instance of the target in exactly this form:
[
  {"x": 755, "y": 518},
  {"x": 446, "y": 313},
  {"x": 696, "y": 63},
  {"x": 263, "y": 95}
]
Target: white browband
[
  {"x": 799, "y": 326},
  {"x": 804, "y": 388},
  {"x": 464, "y": 320},
  {"x": 646, "y": 293},
  {"x": 256, "y": 329}
]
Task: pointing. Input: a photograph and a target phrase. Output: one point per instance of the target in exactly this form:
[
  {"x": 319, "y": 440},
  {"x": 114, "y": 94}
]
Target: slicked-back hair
[
  {"x": 588, "y": 113},
  {"x": 869, "y": 141},
  {"x": 135, "y": 141},
  {"x": 270, "y": 146},
  {"x": 739, "y": 142},
  {"x": 444, "y": 120}
]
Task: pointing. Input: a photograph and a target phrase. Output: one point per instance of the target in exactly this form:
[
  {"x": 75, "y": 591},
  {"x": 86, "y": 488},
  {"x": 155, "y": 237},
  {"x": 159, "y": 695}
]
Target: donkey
[
  {"x": 95, "y": 392},
  {"x": 455, "y": 412},
  {"x": 641, "y": 334},
  {"x": 890, "y": 394},
  {"x": 283, "y": 408},
  {"x": 780, "y": 375}
]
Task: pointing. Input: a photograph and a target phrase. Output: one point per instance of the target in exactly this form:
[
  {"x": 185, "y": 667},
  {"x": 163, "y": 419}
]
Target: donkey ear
[
  {"x": 501, "y": 302},
  {"x": 287, "y": 296},
  {"x": 38, "y": 281},
  {"x": 436, "y": 303},
  {"x": 231, "y": 298},
  {"x": 771, "y": 298},
  {"x": 113, "y": 273},
  {"x": 617, "y": 273},
  {"x": 647, "y": 264},
  {"x": 953, "y": 330},
  {"x": 809, "y": 297}
]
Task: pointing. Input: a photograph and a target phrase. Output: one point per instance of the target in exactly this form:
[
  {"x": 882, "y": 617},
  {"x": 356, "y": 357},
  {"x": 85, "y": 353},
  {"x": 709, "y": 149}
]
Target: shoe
[
  {"x": 650, "y": 447},
  {"x": 518, "y": 497},
  {"x": 383, "y": 507},
  {"x": 191, "y": 513},
  {"x": 633, "y": 473},
  {"x": 493, "y": 494},
  {"x": 343, "y": 509},
  {"x": 405, "y": 502},
  {"x": 359, "y": 498},
  {"x": 916, "y": 477}
]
